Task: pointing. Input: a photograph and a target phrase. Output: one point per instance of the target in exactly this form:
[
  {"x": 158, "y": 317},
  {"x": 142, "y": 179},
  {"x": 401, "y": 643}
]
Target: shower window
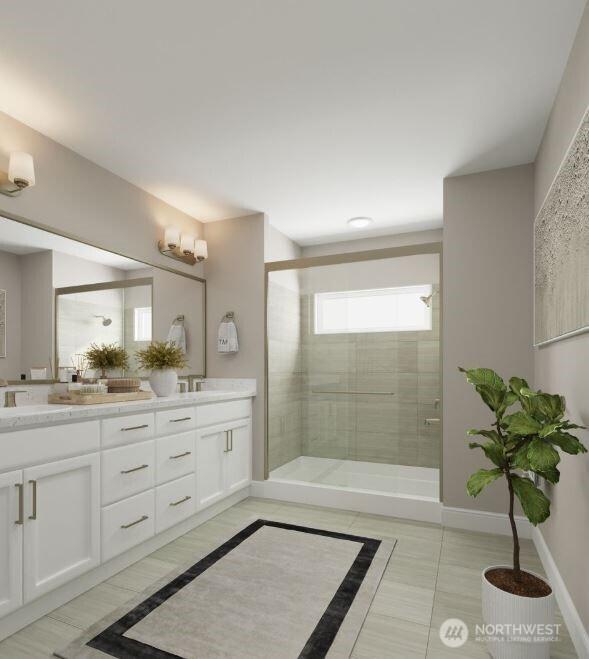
[
  {"x": 399, "y": 309},
  {"x": 142, "y": 324}
]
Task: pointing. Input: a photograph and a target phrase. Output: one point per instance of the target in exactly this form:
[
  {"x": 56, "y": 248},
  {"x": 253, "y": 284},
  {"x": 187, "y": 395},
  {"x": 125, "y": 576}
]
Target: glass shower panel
[{"x": 354, "y": 374}]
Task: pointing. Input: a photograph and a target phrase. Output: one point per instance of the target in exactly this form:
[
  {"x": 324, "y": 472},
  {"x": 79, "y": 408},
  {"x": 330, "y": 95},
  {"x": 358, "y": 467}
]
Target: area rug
[{"x": 273, "y": 590}]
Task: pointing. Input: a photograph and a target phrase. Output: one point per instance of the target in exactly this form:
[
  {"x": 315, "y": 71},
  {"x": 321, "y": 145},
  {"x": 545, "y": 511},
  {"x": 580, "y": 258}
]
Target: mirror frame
[{"x": 63, "y": 234}]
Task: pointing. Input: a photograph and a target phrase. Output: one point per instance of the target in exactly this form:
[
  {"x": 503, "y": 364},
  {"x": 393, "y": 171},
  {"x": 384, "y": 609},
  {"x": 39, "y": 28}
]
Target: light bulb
[
  {"x": 187, "y": 243},
  {"x": 21, "y": 170},
  {"x": 172, "y": 237}
]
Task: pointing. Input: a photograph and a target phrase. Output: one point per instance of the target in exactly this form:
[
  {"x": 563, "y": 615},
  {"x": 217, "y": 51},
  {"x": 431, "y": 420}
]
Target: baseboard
[
  {"x": 419, "y": 509},
  {"x": 574, "y": 624},
  {"x": 484, "y": 522},
  {"x": 52, "y": 600}
]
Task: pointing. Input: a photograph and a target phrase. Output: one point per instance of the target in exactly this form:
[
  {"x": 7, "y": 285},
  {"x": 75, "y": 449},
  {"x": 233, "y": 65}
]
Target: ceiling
[{"x": 312, "y": 111}]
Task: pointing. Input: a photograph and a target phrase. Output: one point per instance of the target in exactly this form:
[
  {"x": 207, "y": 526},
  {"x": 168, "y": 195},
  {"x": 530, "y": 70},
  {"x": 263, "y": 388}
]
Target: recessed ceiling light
[{"x": 360, "y": 222}]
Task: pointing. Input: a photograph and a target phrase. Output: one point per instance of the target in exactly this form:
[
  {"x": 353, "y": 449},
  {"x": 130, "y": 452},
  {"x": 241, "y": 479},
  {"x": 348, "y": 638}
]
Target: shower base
[{"x": 415, "y": 482}]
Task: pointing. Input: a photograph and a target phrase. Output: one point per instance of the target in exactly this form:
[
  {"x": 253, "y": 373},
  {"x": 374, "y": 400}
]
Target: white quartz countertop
[{"x": 20, "y": 417}]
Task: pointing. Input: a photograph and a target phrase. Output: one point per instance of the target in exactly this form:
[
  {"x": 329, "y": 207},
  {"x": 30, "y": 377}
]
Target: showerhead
[
  {"x": 105, "y": 321},
  {"x": 427, "y": 299}
]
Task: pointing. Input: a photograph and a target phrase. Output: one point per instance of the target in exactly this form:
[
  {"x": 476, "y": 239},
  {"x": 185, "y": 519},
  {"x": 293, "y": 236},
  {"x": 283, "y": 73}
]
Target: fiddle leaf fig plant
[{"x": 526, "y": 441}]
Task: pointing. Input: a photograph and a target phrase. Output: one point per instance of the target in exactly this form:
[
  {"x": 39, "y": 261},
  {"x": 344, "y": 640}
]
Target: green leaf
[
  {"x": 549, "y": 429},
  {"x": 485, "y": 377},
  {"x": 493, "y": 451},
  {"x": 493, "y": 435},
  {"x": 551, "y": 406},
  {"x": 522, "y": 424},
  {"x": 509, "y": 399},
  {"x": 534, "y": 503},
  {"x": 520, "y": 457},
  {"x": 517, "y": 384},
  {"x": 493, "y": 398},
  {"x": 568, "y": 443},
  {"x": 542, "y": 455},
  {"x": 551, "y": 475},
  {"x": 479, "y": 480}
]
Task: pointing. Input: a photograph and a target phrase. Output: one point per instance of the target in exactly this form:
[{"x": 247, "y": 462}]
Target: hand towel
[
  {"x": 227, "y": 337},
  {"x": 177, "y": 335}
]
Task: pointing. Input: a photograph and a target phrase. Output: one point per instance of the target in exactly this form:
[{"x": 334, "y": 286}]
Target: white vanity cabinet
[
  {"x": 62, "y": 522},
  {"x": 11, "y": 521},
  {"x": 94, "y": 493}
]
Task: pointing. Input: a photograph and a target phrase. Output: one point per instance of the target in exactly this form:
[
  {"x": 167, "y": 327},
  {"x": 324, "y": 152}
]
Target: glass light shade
[
  {"x": 21, "y": 168},
  {"x": 200, "y": 249},
  {"x": 187, "y": 243},
  {"x": 172, "y": 237}
]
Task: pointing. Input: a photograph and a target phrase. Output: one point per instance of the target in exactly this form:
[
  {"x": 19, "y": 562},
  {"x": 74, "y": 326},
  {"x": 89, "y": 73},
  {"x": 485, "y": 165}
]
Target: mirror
[{"x": 59, "y": 296}]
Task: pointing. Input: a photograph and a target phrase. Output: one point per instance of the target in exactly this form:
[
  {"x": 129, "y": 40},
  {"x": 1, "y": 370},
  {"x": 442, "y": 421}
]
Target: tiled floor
[{"x": 433, "y": 574}]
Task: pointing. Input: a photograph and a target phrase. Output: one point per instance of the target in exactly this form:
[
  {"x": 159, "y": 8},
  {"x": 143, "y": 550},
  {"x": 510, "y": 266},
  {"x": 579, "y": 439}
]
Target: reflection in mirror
[{"x": 59, "y": 296}]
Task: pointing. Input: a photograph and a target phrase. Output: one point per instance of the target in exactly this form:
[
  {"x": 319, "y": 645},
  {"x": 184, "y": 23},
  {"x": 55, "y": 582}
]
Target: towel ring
[
  {"x": 229, "y": 315},
  {"x": 179, "y": 320}
]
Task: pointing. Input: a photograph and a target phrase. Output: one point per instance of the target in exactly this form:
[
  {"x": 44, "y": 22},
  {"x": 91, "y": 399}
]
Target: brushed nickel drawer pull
[
  {"x": 34, "y": 513},
  {"x": 231, "y": 436},
  {"x": 137, "y": 521},
  {"x": 226, "y": 442},
  {"x": 177, "y": 503},
  {"x": 184, "y": 418},
  {"x": 180, "y": 455},
  {"x": 21, "y": 504},
  {"x": 143, "y": 425},
  {"x": 130, "y": 471}
]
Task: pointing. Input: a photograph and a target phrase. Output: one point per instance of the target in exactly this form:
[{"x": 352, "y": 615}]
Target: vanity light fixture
[
  {"x": 20, "y": 175},
  {"x": 182, "y": 247}
]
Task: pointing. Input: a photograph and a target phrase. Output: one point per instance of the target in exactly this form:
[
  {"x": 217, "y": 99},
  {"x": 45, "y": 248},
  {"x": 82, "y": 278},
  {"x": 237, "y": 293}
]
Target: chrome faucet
[{"x": 10, "y": 397}]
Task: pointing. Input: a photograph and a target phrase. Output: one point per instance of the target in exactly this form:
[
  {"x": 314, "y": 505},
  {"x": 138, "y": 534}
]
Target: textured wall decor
[
  {"x": 2, "y": 323},
  {"x": 561, "y": 248}
]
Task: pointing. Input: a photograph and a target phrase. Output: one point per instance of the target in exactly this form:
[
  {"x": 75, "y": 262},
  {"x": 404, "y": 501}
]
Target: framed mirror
[{"x": 59, "y": 296}]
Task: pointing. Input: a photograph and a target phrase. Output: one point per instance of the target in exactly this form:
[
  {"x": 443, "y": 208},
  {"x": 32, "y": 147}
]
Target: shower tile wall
[
  {"x": 373, "y": 428},
  {"x": 284, "y": 372}
]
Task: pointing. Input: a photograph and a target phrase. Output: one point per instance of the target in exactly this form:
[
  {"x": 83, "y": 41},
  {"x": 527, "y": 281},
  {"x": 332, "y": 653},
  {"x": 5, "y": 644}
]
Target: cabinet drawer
[
  {"x": 168, "y": 422},
  {"x": 174, "y": 456},
  {"x": 174, "y": 502},
  {"x": 127, "y": 429},
  {"x": 213, "y": 413},
  {"x": 127, "y": 470},
  {"x": 127, "y": 523}
]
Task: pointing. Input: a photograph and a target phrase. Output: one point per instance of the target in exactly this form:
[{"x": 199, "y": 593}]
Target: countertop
[{"x": 86, "y": 412}]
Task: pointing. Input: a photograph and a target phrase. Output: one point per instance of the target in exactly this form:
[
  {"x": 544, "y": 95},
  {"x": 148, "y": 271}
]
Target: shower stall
[{"x": 353, "y": 372}]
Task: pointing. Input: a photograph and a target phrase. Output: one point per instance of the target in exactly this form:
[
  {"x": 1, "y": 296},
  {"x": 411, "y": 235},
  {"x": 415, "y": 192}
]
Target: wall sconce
[
  {"x": 182, "y": 247},
  {"x": 21, "y": 174}
]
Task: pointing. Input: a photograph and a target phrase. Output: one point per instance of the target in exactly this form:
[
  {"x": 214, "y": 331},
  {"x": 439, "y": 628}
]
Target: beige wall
[
  {"x": 562, "y": 367},
  {"x": 487, "y": 309},
  {"x": 363, "y": 244},
  {"x": 235, "y": 282},
  {"x": 75, "y": 196}
]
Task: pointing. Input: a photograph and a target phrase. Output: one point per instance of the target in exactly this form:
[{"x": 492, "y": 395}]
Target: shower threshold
[{"x": 399, "y": 480}]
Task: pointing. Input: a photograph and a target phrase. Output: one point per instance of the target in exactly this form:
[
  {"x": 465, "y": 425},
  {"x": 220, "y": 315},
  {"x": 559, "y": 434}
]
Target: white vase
[
  {"x": 501, "y": 608},
  {"x": 164, "y": 382}
]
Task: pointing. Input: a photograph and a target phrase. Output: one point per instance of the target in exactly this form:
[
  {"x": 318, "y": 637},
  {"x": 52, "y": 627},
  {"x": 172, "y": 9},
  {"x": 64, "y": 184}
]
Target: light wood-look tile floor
[{"x": 434, "y": 574}]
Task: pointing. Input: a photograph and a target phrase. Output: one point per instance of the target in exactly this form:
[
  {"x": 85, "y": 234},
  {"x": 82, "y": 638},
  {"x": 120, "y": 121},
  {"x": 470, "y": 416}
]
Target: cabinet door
[
  {"x": 11, "y": 532},
  {"x": 62, "y": 522},
  {"x": 238, "y": 469},
  {"x": 211, "y": 447}
]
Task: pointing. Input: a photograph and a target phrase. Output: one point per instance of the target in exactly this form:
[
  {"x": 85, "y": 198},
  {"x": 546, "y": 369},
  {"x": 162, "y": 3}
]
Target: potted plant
[
  {"x": 106, "y": 357},
  {"x": 162, "y": 359},
  {"x": 520, "y": 444}
]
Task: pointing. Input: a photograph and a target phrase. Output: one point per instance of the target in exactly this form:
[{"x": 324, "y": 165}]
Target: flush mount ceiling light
[
  {"x": 182, "y": 247},
  {"x": 360, "y": 222},
  {"x": 20, "y": 175}
]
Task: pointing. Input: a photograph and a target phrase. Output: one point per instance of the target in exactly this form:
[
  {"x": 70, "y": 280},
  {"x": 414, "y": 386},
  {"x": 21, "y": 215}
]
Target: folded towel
[
  {"x": 227, "y": 337},
  {"x": 177, "y": 336}
]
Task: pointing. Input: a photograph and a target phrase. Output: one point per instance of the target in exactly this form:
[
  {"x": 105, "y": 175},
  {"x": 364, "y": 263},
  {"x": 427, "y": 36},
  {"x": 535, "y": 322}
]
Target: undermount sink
[{"x": 26, "y": 410}]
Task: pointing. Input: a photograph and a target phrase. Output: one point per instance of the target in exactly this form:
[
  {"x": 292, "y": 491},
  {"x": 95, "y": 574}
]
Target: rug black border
[{"x": 112, "y": 641}]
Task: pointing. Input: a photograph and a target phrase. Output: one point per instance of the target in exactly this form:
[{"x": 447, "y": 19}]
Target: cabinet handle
[
  {"x": 137, "y": 521},
  {"x": 21, "y": 504},
  {"x": 177, "y": 503},
  {"x": 130, "y": 471},
  {"x": 180, "y": 455},
  {"x": 143, "y": 425},
  {"x": 231, "y": 436},
  {"x": 226, "y": 442},
  {"x": 34, "y": 514},
  {"x": 184, "y": 418}
]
